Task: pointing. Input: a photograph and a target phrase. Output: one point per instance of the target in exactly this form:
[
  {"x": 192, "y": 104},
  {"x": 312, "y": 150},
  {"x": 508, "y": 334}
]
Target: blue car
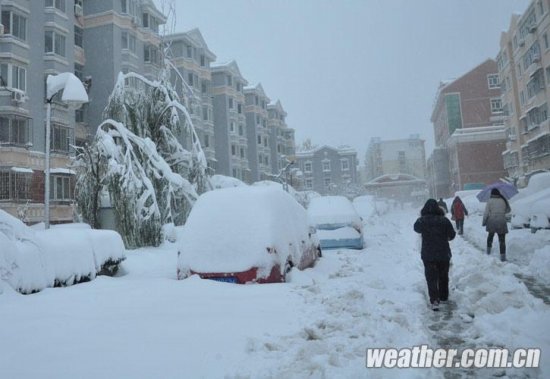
[{"x": 338, "y": 224}]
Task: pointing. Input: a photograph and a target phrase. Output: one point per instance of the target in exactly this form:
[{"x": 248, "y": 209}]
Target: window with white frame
[
  {"x": 493, "y": 81},
  {"x": 232, "y": 126},
  {"x": 128, "y": 42},
  {"x": 14, "y": 24},
  {"x": 54, "y": 42},
  {"x": 233, "y": 150},
  {"x": 57, "y": 4},
  {"x": 60, "y": 188},
  {"x": 344, "y": 164},
  {"x": 327, "y": 182},
  {"x": 259, "y": 139},
  {"x": 326, "y": 165},
  {"x": 15, "y": 185},
  {"x": 13, "y": 76},
  {"x": 206, "y": 140},
  {"x": 14, "y": 130},
  {"x": 308, "y": 167},
  {"x": 241, "y": 130},
  {"x": 151, "y": 54},
  {"x": 496, "y": 105},
  {"x": 309, "y": 183}
]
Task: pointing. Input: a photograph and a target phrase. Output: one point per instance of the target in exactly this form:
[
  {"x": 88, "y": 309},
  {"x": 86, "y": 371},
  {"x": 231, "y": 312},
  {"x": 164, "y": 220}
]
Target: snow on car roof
[
  {"x": 229, "y": 230},
  {"x": 326, "y": 210}
]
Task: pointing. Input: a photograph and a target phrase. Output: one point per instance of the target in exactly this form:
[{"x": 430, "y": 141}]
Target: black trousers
[
  {"x": 460, "y": 226},
  {"x": 437, "y": 277},
  {"x": 501, "y": 242}
]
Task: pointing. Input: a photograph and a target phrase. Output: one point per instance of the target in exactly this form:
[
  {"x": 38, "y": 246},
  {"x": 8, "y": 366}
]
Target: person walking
[
  {"x": 458, "y": 212},
  {"x": 436, "y": 231},
  {"x": 494, "y": 220},
  {"x": 443, "y": 205}
]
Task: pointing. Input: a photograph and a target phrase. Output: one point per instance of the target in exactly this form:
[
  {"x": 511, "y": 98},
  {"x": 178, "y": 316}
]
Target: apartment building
[
  {"x": 399, "y": 156},
  {"x": 468, "y": 119},
  {"x": 49, "y": 37},
  {"x": 257, "y": 131},
  {"x": 37, "y": 39},
  {"x": 190, "y": 57},
  {"x": 326, "y": 169},
  {"x": 231, "y": 141},
  {"x": 524, "y": 69},
  {"x": 282, "y": 141}
]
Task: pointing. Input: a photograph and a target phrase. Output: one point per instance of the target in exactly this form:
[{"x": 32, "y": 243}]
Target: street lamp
[{"x": 74, "y": 94}]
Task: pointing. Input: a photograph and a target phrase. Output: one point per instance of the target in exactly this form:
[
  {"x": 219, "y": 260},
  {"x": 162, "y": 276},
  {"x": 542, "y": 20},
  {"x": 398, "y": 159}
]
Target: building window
[
  {"x": 14, "y": 24},
  {"x": 15, "y": 130},
  {"x": 60, "y": 188},
  {"x": 60, "y": 138},
  {"x": 13, "y": 76},
  {"x": 233, "y": 150},
  {"x": 204, "y": 87},
  {"x": 78, "y": 36},
  {"x": 242, "y": 152},
  {"x": 327, "y": 182},
  {"x": 241, "y": 130},
  {"x": 54, "y": 42},
  {"x": 129, "y": 42},
  {"x": 345, "y": 164},
  {"x": 15, "y": 184},
  {"x": 309, "y": 183},
  {"x": 151, "y": 54},
  {"x": 493, "y": 81},
  {"x": 239, "y": 108},
  {"x": 230, "y": 103},
  {"x": 202, "y": 61},
  {"x": 189, "y": 50},
  {"x": 57, "y": 4},
  {"x": 258, "y": 120},
  {"x": 326, "y": 166},
  {"x": 308, "y": 167},
  {"x": 229, "y": 80},
  {"x": 232, "y": 126},
  {"x": 259, "y": 140},
  {"x": 124, "y": 6},
  {"x": 206, "y": 140},
  {"x": 205, "y": 113},
  {"x": 496, "y": 105},
  {"x": 265, "y": 141}
]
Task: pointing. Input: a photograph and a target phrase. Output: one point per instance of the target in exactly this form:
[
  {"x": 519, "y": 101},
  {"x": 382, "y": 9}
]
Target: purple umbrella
[{"x": 506, "y": 189}]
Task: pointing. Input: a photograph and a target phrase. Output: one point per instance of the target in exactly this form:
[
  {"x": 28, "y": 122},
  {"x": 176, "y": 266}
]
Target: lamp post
[{"x": 74, "y": 94}]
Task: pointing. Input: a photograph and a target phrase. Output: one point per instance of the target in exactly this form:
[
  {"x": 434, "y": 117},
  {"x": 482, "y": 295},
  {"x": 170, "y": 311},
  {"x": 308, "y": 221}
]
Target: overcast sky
[{"x": 349, "y": 70}]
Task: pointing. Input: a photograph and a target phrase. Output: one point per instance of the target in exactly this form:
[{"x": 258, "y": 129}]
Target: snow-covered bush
[{"x": 152, "y": 180}]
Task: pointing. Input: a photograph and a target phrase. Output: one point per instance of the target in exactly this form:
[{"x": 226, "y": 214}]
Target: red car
[{"x": 246, "y": 235}]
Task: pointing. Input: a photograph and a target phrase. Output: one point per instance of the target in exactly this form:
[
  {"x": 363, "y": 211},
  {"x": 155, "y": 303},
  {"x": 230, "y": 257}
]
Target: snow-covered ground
[{"x": 146, "y": 324}]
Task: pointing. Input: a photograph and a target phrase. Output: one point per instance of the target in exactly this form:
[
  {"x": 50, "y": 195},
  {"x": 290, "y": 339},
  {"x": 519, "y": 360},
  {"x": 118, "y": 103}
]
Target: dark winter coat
[
  {"x": 494, "y": 218},
  {"x": 458, "y": 209},
  {"x": 443, "y": 205},
  {"x": 436, "y": 230}
]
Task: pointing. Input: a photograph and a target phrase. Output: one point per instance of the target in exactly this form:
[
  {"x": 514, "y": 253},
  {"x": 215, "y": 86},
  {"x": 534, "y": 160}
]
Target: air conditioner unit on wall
[{"x": 18, "y": 97}]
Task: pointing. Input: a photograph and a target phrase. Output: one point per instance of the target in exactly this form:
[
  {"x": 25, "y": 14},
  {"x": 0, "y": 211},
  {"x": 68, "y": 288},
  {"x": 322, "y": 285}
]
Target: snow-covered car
[
  {"x": 246, "y": 235},
  {"x": 531, "y": 200},
  {"x": 365, "y": 206},
  {"x": 31, "y": 260},
  {"x": 337, "y": 222}
]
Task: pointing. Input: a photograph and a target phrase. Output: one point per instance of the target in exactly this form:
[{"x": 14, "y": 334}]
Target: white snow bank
[
  {"x": 222, "y": 181},
  {"x": 365, "y": 206},
  {"x": 539, "y": 266},
  {"x": 229, "y": 230},
  {"x": 333, "y": 211}
]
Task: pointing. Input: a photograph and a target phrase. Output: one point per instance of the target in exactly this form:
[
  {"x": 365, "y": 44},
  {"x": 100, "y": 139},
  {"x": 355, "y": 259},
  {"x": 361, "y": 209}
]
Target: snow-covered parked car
[
  {"x": 530, "y": 201},
  {"x": 337, "y": 222},
  {"x": 31, "y": 260},
  {"x": 246, "y": 235},
  {"x": 365, "y": 206}
]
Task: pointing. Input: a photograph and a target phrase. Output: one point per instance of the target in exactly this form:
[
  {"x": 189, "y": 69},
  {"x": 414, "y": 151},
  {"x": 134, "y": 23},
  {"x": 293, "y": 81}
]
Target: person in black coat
[
  {"x": 437, "y": 231},
  {"x": 443, "y": 205}
]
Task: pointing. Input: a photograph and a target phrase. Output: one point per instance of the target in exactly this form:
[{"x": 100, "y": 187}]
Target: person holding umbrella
[{"x": 494, "y": 220}]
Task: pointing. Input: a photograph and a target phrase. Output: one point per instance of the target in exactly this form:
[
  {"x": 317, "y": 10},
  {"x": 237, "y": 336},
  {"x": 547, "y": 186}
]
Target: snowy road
[{"x": 146, "y": 324}]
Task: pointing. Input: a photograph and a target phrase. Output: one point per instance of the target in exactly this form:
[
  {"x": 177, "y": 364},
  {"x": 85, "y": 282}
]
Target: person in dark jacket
[
  {"x": 436, "y": 231},
  {"x": 443, "y": 205},
  {"x": 494, "y": 220},
  {"x": 458, "y": 212}
]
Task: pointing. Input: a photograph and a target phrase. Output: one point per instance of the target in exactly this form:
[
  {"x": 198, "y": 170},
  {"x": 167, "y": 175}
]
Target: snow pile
[
  {"x": 31, "y": 260},
  {"x": 229, "y": 230},
  {"x": 365, "y": 206},
  {"x": 332, "y": 212},
  {"x": 222, "y": 181},
  {"x": 539, "y": 266}
]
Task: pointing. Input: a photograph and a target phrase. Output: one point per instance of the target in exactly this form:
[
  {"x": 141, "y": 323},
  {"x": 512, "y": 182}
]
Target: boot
[
  {"x": 488, "y": 250},
  {"x": 502, "y": 252},
  {"x": 503, "y": 257}
]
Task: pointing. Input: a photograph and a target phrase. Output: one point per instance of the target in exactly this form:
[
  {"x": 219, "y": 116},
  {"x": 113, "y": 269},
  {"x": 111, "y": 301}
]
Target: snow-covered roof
[
  {"x": 278, "y": 107},
  {"x": 257, "y": 88},
  {"x": 65, "y": 171},
  {"x": 22, "y": 170},
  {"x": 193, "y": 36},
  {"x": 341, "y": 150},
  {"x": 230, "y": 66}
]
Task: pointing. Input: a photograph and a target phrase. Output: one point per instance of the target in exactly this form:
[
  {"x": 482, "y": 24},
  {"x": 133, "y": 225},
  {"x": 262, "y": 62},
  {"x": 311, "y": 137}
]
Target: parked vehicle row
[{"x": 531, "y": 206}]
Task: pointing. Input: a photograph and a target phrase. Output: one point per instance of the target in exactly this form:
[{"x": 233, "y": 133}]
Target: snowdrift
[{"x": 31, "y": 260}]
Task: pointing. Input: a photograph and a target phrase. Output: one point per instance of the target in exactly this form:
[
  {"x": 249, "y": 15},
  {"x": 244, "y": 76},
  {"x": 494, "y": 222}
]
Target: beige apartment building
[{"x": 524, "y": 69}]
